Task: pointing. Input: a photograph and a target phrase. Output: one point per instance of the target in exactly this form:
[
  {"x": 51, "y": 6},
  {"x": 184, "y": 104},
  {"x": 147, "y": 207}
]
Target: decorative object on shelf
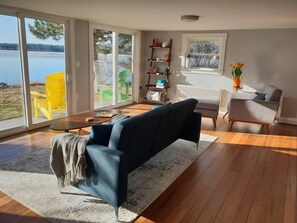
[
  {"x": 161, "y": 83},
  {"x": 166, "y": 71},
  {"x": 157, "y": 88},
  {"x": 236, "y": 74},
  {"x": 154, "y": 95},
  {"x": 166, "y": 57},
  {"x": 165, "y": 44},
  {"x": 155, "y": 70},
  {"x": 156, "y": 43}
]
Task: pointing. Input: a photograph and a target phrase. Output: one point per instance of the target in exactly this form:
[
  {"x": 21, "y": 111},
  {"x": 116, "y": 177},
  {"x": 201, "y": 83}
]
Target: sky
[{"x": 9, "y": 32}]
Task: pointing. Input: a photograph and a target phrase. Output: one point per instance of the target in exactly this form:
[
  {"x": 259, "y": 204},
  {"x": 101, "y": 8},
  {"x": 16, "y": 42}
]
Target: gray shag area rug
[{"x": 30, "y": 180}]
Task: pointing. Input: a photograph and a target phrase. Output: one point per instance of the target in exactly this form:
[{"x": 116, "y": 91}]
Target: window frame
[
  {"x": 136, "y": 37},
  {"x": 187, "y": 38}
]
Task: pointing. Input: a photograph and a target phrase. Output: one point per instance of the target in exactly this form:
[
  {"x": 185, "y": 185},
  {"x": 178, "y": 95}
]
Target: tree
[
  {"x": 44, "y": 30},
  {"x": 102, "y": 38}
]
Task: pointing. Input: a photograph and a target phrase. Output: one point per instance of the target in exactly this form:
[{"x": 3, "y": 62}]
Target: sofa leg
[
  {"x": 116, "y": 209},
  {"x": 214, "y": 120},
  {"x": 197, "y": 145},
  {"x": 231, "y": 125}
]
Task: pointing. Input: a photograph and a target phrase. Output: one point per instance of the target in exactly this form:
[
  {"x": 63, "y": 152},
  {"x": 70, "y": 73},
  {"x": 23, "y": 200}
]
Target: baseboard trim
[{"x": 285, "y": 120}]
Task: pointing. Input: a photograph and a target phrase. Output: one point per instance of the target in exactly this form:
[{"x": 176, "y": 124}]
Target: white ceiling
[{"x": 165, "y": 14}]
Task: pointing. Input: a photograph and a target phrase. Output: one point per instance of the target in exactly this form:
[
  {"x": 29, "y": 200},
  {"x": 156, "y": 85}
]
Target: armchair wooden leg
[
  {"x": 266, "y": 128},
  {"x": 225, "y": 115},
  {"x": 231, "y": 125},
  {"x": 214, "y": 120}
]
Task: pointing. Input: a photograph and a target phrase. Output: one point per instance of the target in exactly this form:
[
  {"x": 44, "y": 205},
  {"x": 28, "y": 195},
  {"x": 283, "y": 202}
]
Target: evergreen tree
[{"x": 44, "y": 30}]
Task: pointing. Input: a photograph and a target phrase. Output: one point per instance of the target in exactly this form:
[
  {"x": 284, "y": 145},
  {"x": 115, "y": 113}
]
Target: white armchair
[{"x": 247, "y": 108}]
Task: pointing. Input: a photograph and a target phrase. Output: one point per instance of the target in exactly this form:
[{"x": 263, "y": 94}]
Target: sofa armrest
[
  {"x": 192, "y": 128},
  {"x": 257, "y": 111},
  {"x": 106, "y": 174}
]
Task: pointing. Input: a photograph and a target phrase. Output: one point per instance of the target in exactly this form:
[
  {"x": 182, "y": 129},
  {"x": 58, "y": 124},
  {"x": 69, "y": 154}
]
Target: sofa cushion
[
  {"x": 180, "y": 113},
  {"x": 144, "y": 135},
  {"x": 208, "y": 104},
  {"x": 100, "y": 134},
  {"x": 135, "y": 137}
]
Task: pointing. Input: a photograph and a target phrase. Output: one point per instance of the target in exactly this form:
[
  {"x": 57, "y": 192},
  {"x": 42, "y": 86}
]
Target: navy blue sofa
[{"x": 129, "y": 143}]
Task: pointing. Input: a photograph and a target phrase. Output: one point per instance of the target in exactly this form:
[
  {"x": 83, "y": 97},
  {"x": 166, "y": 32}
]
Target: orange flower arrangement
[
  {"x": 236, "y": 74},
  {"x": 236, "y": 70}
]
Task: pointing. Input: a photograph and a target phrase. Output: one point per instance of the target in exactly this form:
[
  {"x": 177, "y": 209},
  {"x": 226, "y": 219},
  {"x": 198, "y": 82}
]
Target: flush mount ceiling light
[{"x": 189, "y": 18}]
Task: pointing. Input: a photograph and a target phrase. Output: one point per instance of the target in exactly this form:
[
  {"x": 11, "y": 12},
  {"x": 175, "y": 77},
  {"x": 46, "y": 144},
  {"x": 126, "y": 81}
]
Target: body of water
[{"x": 40, "y": 65}]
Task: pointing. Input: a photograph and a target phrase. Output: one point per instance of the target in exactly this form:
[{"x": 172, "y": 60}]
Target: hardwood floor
[{"x": 245, "y": 176}]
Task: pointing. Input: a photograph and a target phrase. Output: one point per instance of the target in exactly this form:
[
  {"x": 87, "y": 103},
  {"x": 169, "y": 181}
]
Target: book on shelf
[
  {"x": 161, "y": 84},
  {"x": 154, "y": 95},
  {"x": 105, "y": 114}
]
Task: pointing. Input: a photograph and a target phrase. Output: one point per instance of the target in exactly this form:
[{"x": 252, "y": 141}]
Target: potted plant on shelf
[{"x": 236, "y": 74}]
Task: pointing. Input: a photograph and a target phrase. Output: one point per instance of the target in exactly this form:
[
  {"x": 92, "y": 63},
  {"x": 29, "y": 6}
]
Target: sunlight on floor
[{"x": 246, "y": 139}]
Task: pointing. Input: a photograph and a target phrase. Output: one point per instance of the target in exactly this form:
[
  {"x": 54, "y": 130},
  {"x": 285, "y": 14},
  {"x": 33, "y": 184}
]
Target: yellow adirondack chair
[{"x": 54, "y": 98}]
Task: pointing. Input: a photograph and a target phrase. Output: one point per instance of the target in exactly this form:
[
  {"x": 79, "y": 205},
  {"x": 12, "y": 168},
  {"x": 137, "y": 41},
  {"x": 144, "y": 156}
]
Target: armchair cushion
[
  {"x": 273, "y": 93},
  {"x": 259, "y": 96}
]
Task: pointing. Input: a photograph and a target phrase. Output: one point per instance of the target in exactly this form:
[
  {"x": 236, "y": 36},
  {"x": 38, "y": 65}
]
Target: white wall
[{"x": 269, "y": 56}]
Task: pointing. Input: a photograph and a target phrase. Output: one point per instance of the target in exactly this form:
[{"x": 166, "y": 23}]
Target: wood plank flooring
[{"x": 245, "y": 176}]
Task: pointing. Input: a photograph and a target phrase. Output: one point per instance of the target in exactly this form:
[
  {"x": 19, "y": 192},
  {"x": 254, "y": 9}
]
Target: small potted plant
[{"x": 236, "y": 74}]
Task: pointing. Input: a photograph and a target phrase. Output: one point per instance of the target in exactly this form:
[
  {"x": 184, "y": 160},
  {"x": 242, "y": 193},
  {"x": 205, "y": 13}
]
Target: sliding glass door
[
  {"x": 32, "y": 72},
  {"x": 12, "y": 110},
  {"x": 103, "y": 68},
  {"x": 125, "y": 67},
  {"x": 46, "y": 66},
  {"x": 112, "y": 68}
]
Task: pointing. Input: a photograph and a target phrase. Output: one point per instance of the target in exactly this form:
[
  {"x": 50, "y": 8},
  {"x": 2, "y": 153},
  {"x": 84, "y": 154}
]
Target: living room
[{"x": 260, "y": 35}]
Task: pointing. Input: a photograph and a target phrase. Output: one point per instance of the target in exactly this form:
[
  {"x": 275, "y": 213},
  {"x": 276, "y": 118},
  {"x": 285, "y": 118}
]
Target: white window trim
[{"x": 186, "y": 38}]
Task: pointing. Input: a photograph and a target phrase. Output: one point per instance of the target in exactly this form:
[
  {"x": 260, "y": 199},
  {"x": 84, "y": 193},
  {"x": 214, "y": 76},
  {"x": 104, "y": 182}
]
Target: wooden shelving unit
[{"x": 159, "y": 71}]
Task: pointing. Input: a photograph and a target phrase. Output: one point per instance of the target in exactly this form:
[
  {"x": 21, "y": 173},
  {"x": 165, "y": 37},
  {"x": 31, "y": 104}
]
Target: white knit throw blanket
[{"x": 67, "y": 159}]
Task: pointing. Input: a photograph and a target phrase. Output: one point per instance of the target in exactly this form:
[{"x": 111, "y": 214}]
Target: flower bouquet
[{"x": 236, "y": 74}]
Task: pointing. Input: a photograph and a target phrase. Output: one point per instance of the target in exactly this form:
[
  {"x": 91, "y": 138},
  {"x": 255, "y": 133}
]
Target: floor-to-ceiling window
[
  {"x": 125, "y": 67},
  {"x": 33, "y": 71},
  {"x": 12, "y": 109},
  {"x": 46, "y": 67},
  {"x": 112, "y": 67}
]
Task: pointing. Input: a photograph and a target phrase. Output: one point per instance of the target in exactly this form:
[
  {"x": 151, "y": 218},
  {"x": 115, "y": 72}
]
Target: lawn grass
[
  {"x": 11, "y": 100},
  {"x": 12, "y": 104}
]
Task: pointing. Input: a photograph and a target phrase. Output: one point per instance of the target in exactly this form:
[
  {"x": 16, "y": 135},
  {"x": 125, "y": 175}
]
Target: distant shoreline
[
  {"x": 33, "y": 47},
  {"x": 32, "y": 53},
  {"x": 3, "y": 85}
]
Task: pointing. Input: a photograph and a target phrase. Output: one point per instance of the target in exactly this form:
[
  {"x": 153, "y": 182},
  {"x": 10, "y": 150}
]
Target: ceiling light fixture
[{"x": 189, "y": 18}]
